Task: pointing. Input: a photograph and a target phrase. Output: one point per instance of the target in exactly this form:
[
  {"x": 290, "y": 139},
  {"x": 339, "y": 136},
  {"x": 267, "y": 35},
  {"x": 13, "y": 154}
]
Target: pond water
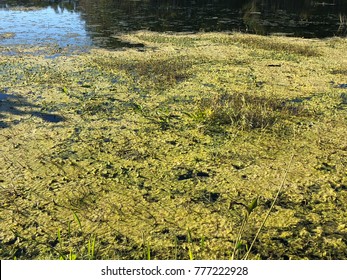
[{"x": 98, "y": 22}]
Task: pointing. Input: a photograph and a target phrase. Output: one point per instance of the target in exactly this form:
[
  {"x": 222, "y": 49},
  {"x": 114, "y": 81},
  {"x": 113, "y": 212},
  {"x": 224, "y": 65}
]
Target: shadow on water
[{"x": 13, "y": 105}]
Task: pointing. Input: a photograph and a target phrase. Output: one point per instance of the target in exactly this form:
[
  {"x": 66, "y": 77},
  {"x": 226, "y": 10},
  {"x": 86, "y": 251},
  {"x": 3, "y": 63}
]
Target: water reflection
[
  {"x": 293, "y": 18},
  {"x": 98, "y": 22},
  {"x": 42, "y": 23}
]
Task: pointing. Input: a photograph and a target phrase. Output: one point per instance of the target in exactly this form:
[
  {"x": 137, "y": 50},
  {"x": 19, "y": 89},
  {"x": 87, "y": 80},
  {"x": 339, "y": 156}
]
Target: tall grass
[
  {"x": 245, "y": 111},
  {"x": 275, "y": 44},
  {"x": 86, "y": 250}
]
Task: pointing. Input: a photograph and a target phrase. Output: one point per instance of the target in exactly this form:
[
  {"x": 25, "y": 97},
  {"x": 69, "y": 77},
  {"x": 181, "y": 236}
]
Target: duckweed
[{"x": 156, "y": 153}]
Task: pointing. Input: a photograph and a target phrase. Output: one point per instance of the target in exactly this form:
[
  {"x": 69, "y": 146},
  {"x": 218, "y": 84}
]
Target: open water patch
[
  {"x": 42, "y": 26},
  {"x": 95, "y": 23}
]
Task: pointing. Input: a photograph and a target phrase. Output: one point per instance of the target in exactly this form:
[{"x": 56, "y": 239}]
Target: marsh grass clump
[
  {"x": 274, "y": 44},
  {"x": 174, "y": 39},
  {"x": 97, "y": 107},
  {"x": 164, "y": 73},
  {"x": 246, "y": 111},
  {"x": 157, "y": 72}
]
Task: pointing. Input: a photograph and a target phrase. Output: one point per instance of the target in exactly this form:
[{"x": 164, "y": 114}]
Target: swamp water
[
  {"x": 98, "y": 23},
  {"x": 161, "y": 151}
]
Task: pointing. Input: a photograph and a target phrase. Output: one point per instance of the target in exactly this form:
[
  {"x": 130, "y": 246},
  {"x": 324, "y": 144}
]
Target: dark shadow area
[
  {"x": 112, "y": 42},
  {"x": 309, "y": 19},
  {"x": 19, "y": 106}
]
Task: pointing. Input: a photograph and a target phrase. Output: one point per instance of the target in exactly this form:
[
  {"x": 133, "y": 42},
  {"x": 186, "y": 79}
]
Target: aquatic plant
[
  {"x": 246, "y": 111},
  {"x": 139, "y": 155}
]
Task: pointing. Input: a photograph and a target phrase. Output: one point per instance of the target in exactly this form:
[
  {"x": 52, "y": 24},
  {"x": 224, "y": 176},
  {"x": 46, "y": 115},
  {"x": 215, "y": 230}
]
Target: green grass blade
[
  {"x": 60, "y": 239},
  {"x": 72, "y": 256},
  {"x": 77, "y": 220},
  {"x": 91, "y": 247},
  {"x": 148, "y": 252}
]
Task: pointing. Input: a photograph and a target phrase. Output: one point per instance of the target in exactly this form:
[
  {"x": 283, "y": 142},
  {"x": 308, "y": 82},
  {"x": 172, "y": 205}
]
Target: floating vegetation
[{"x": 175, "y": 150}]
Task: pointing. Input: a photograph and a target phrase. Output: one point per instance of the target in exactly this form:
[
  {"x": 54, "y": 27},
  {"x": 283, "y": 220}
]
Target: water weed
[
  {"x": 246, "y": 111},
  {"x": 116, "y": 154}
]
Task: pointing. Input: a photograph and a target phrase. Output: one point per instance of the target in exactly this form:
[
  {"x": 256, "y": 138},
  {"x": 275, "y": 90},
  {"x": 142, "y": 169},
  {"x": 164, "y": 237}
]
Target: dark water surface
[{"x": 98, "y": 22}]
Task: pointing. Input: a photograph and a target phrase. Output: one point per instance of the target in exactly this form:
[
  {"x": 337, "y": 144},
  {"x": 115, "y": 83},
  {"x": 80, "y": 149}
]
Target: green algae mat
[{"x": 175, "y": 150}]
